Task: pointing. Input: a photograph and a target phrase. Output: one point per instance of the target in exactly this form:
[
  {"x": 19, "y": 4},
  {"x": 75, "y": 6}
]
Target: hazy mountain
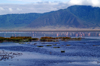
[
  {"x": 17, "y": 20},
  {"x": 73, "y": 16},
  {"x": 88, "y": 14},
  {"x": 58, "y": 18}
]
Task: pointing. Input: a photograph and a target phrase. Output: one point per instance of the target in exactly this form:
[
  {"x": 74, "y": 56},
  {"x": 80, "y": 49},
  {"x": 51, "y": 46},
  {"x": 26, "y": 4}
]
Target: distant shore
[{"x": 54, "y": 30}]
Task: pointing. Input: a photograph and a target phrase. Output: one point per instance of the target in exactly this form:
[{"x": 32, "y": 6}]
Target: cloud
[
  {"x": 95, "y": 2},
  {"x": 26, "y": 1},
  {"x": 19, "y": 9},
  {"x": 1, "y": 8},
  {"x": 10, "y": 9},
  {"x": 74, "y": 2},
  {"x": 43, "y": 6},
  {"x": 85, "y": 2},
  {"x": 39, "y": 7},
  {"x": 39, "y": 0}
]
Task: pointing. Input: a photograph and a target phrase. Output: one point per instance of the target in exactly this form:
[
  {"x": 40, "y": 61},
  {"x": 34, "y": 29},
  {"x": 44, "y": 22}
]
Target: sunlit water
[{"x": 85, "y": 52}]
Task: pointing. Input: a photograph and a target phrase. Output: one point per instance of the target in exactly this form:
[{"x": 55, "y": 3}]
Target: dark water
[{"x": 85, "y": 52}]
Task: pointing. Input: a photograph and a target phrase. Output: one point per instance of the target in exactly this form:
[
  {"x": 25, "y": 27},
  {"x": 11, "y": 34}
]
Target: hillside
[
  {"x": 17, "y": 20},
  {"x": 88, "y": 14},
  {"x": 72, "y": 17},
  {"x": 61, "y": 18}
]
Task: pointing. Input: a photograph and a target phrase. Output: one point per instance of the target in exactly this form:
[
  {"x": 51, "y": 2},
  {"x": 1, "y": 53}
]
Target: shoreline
[{"x": 67, "y": 30}]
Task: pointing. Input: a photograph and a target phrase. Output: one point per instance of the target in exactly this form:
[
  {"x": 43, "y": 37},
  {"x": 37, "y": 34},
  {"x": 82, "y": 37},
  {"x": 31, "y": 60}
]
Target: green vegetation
[
  {"x": 48, "y": 45},
  {"x": 66, "y": 38},
  {"x": 46, "y": 39},
  {"x": 29, "y": 39},
  {"x": 18, "y": 39},
  {"x": 69, "y": 38},
  {"x": 1, "y": 39},
  {"x": 52, "y": 39}
]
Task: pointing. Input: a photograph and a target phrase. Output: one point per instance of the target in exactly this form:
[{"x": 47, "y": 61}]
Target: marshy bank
[{"x": 42, "y": 39}]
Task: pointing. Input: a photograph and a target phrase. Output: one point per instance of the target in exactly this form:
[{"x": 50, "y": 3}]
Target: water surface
[{"x": 85, "y": 52}]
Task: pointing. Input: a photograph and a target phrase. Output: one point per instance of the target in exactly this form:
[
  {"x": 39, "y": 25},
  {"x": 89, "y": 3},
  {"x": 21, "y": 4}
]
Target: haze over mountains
[{"x": 72, "y": 17}]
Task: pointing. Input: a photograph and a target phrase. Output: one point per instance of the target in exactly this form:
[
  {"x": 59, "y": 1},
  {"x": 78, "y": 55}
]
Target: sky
[
  {"x": 40, "y": 6},
  {"x": 28, "y": 1}
]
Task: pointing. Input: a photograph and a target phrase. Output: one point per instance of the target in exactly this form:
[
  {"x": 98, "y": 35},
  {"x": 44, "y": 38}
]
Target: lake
[{"x": 85, "y": 52}]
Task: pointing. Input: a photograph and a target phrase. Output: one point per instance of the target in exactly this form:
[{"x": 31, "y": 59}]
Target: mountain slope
[
  {"x": 74, "y": 16},
  {"x": 60, "y": 18},
  {"x": 90, "y": 15},
  {"x": 17, "y": 20}
]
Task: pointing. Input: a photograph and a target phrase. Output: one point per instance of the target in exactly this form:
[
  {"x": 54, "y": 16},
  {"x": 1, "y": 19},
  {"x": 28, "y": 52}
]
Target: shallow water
[{"x": 77, "y": 53}]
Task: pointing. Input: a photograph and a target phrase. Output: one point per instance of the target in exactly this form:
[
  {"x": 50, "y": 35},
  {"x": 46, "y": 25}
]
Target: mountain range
[{"x": 77, "y": 16}]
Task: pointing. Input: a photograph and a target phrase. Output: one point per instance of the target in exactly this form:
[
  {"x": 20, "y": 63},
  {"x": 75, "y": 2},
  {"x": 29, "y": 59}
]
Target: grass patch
[{"x": 48, "y": 45}]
